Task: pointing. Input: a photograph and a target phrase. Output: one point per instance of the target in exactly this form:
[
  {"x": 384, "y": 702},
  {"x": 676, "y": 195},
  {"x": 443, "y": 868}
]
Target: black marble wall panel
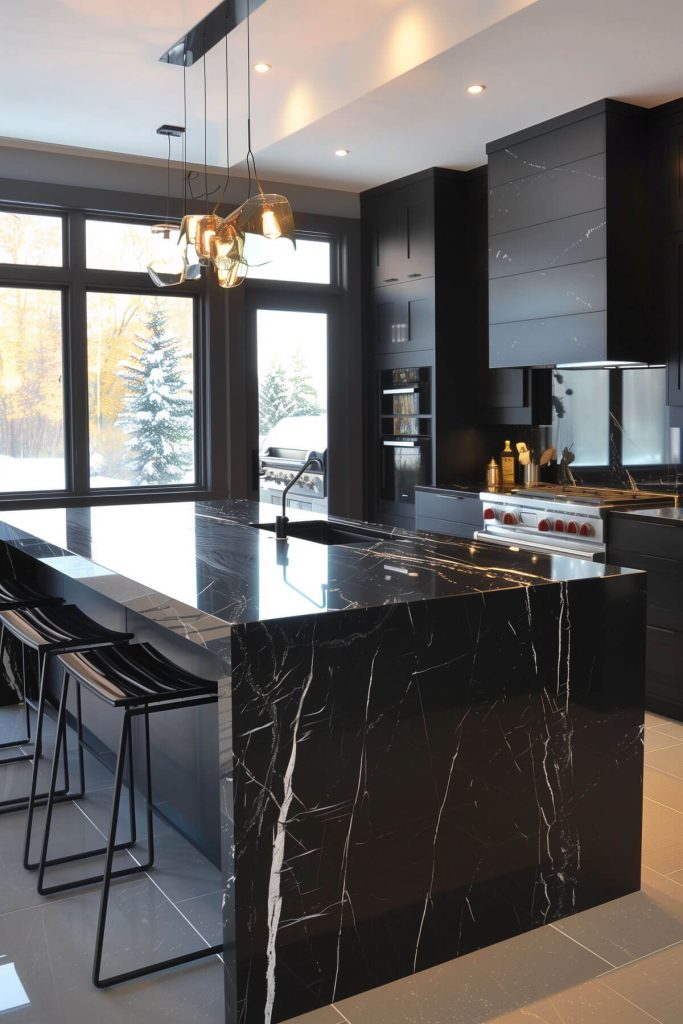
[
  {"x": 517, "y": 159},
  {"x": 544, "y": 246},
  {"x": 573, "y": 188},
  {"x": 418, "y": 781}
]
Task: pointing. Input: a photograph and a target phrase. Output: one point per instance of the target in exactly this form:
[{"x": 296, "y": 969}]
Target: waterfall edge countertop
[
  {"x": 205, "y": 557},
  {"x": 424, "y": 746}
]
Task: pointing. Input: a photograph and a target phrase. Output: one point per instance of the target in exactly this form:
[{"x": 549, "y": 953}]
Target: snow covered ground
[{"x": 42, "y": 475}]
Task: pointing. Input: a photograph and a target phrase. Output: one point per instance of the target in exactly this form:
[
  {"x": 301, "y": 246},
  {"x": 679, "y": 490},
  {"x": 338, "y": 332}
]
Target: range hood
[{"x": 569, "y": 255}]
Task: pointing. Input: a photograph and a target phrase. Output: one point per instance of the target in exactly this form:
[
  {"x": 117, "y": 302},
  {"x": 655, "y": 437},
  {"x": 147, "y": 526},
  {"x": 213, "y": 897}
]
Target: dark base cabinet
[
  {"x": 448, "y": 511},
  {"x": 656, "y": 548}
]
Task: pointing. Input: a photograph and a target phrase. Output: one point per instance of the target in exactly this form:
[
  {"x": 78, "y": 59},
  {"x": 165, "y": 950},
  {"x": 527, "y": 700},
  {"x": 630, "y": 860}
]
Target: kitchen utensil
[
  {"x": 549, "y": 455},
  {"x": 521, "y": 447},
  {"x": 530, "y": 473},
  {"x": 525, "y": 457}
]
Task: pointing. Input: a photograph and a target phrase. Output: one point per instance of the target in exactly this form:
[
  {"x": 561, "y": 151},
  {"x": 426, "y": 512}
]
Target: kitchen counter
[
  {"x": 661, "y": 516},
  {"x": 424, "y": 746}
]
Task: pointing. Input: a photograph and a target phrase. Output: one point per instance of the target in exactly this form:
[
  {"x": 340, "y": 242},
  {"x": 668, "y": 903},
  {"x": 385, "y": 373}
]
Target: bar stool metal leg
[
  {"x": 139, "y": 972},
  {"x": 36, "y": 799},
  {"x": 27, "y": 739},
  {"x": 44, "y": 861}
]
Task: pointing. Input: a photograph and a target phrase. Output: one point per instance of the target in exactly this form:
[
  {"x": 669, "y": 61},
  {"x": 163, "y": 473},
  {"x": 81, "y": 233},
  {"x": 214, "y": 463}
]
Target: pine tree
[
  {"x": 286, "y": 393},
  {"x": 157, "y": 412}
]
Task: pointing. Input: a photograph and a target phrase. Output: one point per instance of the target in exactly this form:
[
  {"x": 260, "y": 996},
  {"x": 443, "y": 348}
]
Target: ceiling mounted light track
[{"x": 208, "y": 32}]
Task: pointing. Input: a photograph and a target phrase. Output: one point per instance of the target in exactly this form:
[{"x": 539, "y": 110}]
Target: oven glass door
[{"x": 406, "y": 464}]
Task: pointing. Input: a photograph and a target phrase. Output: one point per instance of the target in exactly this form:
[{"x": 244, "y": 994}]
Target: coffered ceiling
[{"x": 384, "y": 79}]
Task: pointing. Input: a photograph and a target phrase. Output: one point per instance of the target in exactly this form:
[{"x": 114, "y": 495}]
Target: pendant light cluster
[{"x": 257, "y": 232}]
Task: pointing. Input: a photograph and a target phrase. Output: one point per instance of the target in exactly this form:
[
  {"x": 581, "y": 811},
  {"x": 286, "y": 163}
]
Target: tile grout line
[
  {"x": 631, "y": 1003},
  {"x": 662, "y": 875},
  {"x": 153, "y": 881},
  {"x": 336, "y": 1008},
  {"x": 668, "y": 746},
  {"x": 654, "y": 767},
  {"x": 660, "y": 804},
  {"x": 645, "y": 956},
  {"x": 587, "y": 948}
]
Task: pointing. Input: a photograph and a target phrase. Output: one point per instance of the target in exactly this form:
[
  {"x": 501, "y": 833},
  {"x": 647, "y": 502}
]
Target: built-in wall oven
[{"x": 405, "y": 435}]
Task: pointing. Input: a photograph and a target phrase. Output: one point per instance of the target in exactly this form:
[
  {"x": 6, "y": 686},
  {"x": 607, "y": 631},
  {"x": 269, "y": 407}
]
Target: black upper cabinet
[
  {"x": 667, "y": 216},
  {"x": 569, "y": 240},
  {"x": 511, "y": 396},
  {"x": 402, "y": 234}
]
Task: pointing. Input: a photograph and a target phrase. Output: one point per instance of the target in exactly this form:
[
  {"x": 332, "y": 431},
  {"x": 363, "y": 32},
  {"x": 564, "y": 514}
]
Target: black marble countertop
[
  {"x": 207, "y": 559},
  {"x": 665, "y": 516}
]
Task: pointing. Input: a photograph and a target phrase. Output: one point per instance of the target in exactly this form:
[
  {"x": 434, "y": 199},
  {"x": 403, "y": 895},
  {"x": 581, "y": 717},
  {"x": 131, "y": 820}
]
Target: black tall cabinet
[
  {"x": 425, "y": 278},
  {"x": 414, "y": 269}
]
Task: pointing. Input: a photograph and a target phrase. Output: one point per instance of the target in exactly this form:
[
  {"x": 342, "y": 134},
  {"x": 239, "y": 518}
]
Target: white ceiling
[{"x": 384, "y": 78}]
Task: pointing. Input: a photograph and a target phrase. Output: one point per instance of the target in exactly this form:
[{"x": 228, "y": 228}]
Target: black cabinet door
[
  {"x": 389, "y": 241},
  {"x": 673, "y": 304},
  {"x": 404, "y": 317},
  {"x": 403, "y": 235}
]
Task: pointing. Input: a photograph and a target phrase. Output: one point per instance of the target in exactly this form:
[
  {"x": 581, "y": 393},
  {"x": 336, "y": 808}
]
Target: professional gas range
[{"x": 558, "y": 519}]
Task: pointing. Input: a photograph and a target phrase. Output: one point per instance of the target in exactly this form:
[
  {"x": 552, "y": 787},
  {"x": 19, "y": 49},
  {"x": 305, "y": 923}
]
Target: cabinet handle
[
  {"x": 390, "y": 280},
  {"x": 400, "y": 391},
  {"x": 399, "y": 444},
  {"x": 414, "y": 275}
]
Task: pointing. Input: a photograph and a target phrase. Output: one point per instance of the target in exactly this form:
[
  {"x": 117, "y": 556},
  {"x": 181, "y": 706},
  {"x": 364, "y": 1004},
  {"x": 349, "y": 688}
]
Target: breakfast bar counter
[{"x": 424, "y": 746}]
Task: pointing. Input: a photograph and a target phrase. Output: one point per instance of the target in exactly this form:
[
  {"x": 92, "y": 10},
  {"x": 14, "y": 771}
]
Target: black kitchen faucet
[{"x": 281, "y": 521}]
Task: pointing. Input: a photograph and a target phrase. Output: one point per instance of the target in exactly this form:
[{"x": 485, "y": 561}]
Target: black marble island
[{"x": 426, "y": 746}]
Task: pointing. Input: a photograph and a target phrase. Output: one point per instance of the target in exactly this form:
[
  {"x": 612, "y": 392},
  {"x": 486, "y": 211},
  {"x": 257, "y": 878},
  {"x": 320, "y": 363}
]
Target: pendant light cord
[
  {"x": 168, "y": 179},
  {"x": 227, "y": 113},
  {"x": 206, "y": 176},
  {"x": 251, "y": 160},
  {"x": 185, "y": 134}
]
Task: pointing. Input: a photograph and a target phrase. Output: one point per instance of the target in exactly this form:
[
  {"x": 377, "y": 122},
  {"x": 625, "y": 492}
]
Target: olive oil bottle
[{"x": 507, "y": 466}]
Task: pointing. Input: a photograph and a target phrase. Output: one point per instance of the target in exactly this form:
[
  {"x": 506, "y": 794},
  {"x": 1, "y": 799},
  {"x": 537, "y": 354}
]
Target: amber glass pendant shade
[
  {"x": 168, "y": 265},
  {"x": 267, "y": 223},
  {"x": 231, "y": 273},
  {"x": 188, "y": 228},
  {"x": 207, "y": 227},
  {"x": 227, "y": 245}
]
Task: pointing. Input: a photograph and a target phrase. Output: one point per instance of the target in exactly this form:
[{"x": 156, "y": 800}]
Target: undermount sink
[{"x": 319, "y": 531}]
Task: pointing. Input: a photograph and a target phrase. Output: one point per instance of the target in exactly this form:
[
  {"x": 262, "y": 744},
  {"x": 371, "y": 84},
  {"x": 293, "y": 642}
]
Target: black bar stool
[
  {"x": 51, "y": 630},
  {"x": 16, "y": 596},
  {"x": 139, "y": 681}
]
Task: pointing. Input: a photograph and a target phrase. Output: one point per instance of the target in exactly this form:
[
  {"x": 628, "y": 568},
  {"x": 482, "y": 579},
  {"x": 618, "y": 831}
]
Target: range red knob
[
  {"x": 572, "y": 528},
  {"x": 509, "y": 518},
  {"x": 559, "y": 525},
  {"x": 586, "y": 530},
  {"x": 489, "y": 513},
  {"x": 543, "y": 525}
]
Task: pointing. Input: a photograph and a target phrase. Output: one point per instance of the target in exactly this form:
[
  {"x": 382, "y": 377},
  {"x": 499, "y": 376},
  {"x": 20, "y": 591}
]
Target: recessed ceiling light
[
  {"x": 262, "y": 67},
  {"x": 475, "y": 90},
  {"x": 342, "y": 152}
]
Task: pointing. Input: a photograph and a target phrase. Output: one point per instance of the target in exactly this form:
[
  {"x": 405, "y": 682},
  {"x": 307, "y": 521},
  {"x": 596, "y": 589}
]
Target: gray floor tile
[
  {"x": 662, "y": 838},
  {"x": 657, "y": 739},
  {"x": 327, "y": 1015},
  {"x": 634, "y": 926},
  {"x": 669, "y": 759},
  {"x": 669, "y": 728},
  {"x": 655, "y": 984},
  {"x": 664, "y": 789},
  {"x": 591, "y": 1003},
  {"x": 206, "y": 914},
  {"x": 481, "y": 986},
  {"x": 51, "y": 950}
]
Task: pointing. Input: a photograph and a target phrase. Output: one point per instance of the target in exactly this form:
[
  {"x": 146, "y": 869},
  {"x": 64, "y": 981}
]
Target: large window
[
  {"x": 31, "y": 396},
  {"x": 140, "y": 390},
  {"x": 91, "y": 312}
]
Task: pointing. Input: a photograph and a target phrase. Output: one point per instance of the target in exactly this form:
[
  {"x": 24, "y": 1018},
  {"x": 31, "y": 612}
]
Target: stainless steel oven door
[{"x": 586, "y": 552}]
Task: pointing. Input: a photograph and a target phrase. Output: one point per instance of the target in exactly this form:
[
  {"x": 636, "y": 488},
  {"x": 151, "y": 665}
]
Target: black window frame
[{"x": 220, "y": 337}]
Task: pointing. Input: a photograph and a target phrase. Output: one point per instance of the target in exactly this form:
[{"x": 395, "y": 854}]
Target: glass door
[{"x": 291, "y": 357}]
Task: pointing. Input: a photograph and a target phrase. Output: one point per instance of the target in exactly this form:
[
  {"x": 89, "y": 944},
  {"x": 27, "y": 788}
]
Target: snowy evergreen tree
[
  {"x": 157, "y": 414},
  {"x": 286, "y": 392}
]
